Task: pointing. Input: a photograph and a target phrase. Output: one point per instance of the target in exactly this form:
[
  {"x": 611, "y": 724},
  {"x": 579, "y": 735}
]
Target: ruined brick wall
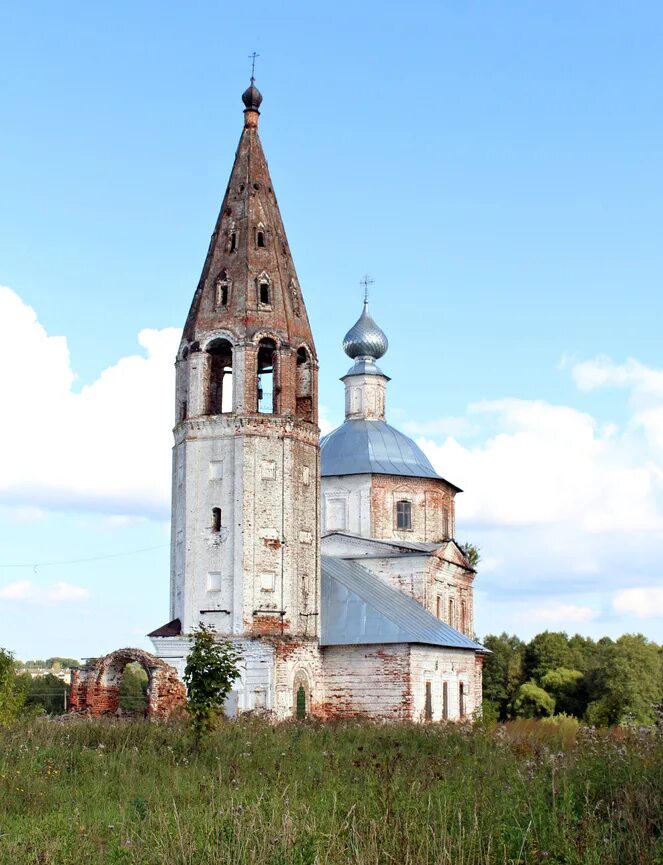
[
  {"x": 433, "y": 508},
  {"x": 95, "y": 689},
  {"x": 367, "y": 681}
]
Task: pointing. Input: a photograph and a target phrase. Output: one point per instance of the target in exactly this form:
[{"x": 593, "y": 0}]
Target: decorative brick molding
[{"x": 95, "y": 688}]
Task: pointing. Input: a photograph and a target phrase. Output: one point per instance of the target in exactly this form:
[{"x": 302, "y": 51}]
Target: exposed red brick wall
[
  {"x": 95, "y": 689},
  {"x": 430, "y": 498}
]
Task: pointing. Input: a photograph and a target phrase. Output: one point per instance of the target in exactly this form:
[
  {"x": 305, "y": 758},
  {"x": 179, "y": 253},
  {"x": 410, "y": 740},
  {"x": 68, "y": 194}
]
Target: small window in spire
[
  {"x": 233, "y": 241},
  {"x": 263, "y": 289},
  {"x": 260, "y": 239},
  {"x": 221, "y": 290}
]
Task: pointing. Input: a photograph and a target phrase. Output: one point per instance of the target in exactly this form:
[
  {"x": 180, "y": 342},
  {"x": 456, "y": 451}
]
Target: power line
[{"x": 35, "y": 565}]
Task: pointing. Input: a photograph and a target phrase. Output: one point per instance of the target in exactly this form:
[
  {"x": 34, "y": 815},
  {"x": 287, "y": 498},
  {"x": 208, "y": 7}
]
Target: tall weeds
[{"x": 309, "y": 794}]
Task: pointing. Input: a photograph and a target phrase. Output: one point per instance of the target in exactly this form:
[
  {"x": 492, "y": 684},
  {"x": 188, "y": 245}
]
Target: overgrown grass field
[{"x": 298, "y": 794}]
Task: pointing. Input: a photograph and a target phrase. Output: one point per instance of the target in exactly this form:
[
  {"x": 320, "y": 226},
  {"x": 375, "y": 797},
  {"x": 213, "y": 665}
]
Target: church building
[{"x": 330, "y": 564}]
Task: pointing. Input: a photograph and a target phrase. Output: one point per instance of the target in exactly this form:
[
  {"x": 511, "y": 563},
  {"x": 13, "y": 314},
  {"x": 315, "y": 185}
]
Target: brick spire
[{"x": 249, "y": 283}]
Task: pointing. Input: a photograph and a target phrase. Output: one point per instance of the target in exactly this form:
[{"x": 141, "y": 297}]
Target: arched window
[
  {"x": 233, "y": 241},
  {"x": 219, "y": 396},
  {"x": 452, "y": 613},
  {"x": 463, "y": 616},
  {"x": 404, "y": 515},
  {"x": 304, "y": 386},
  {"x": 221, "y": 290},
  {"x": 260, "y": 237},
  {"x": 264, "y": 292},
  {"x": 445, "y": 522},
  {"x": 266, "y": 401}
]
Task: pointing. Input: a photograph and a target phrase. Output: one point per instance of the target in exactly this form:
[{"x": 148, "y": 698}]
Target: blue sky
[{"x": 496, "y": 168}]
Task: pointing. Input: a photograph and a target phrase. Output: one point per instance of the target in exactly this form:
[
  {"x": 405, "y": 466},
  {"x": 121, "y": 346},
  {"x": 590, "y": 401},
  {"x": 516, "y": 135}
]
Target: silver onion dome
[{"x": 365, "y": 338}]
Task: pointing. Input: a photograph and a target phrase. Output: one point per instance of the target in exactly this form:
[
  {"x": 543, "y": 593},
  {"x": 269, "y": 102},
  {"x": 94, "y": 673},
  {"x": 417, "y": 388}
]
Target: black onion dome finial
[{"x": 252, "y": 98}]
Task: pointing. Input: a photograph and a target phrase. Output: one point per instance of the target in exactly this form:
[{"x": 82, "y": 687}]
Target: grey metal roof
[
  {"x": 360, "y": 447},
  {"x": 365, "y": 366},
  {"x": 358, "y": 608}
]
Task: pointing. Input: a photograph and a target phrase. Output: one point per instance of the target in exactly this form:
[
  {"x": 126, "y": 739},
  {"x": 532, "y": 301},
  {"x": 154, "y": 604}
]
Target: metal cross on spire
[
  {"x": 366, "y": 281},
  {"x": 252, "y": 58}
]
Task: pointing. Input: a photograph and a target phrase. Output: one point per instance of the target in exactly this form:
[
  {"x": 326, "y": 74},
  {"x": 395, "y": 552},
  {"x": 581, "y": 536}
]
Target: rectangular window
[
  {"x": 404, "y": 515},
  {"x": 428, "y": 707},
  {"x": 216, "y": 520},
  {"x": 336, "y": 515},
  {"x": 215, "y": 470},
  {"x": 438, "y": 607},
  {"x": 268, "y": 470},
  {"x": 214, "y": 581},
  {"x": 461, "y": 700},
  {"x": 445, "y": 701}
]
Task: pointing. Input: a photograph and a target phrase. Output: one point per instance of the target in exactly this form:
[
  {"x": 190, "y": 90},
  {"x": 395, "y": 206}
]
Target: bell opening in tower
[
  {"x": 304, "y": 394},
  {"x": 266, "y": 390},
  {"x": 219, "y": 398}
]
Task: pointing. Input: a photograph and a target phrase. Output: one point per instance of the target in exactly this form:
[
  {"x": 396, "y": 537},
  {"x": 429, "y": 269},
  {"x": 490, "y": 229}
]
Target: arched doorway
[{"x": 301, "y": 702}]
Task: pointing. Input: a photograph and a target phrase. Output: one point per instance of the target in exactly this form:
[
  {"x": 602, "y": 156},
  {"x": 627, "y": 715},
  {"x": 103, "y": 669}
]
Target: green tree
[
  {"x": 566, "y": 687},
  {"x": 533, "y": 702},
  {"x": 502, "y": 671},
  {"x": 627, "y": 686},
  {"x": 472, "y": 553},
  {"x": 62, "y": 662},
  {"x": 12, "y": 689},
  {"x": 133, "y": 689},
  {"x": 46, "y": 693},
  {"x": 547, "y": 651},
  {"x": 211, "y": 668}
]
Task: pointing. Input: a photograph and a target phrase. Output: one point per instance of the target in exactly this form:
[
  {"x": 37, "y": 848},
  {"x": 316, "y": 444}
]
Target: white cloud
[
  {"x": 448, "y": 426},
  {"x": 555, "y": 498},
  {"x": 326, "y": 426},
  {"x": 644, "y": 603},
  {"x": 106, "y": 448},
  {"x": 58, "y": 593},
  {"x": 544, "y": 464},
  {"x": 560, "y": 615},
  {"x": 602, "y": 371}
]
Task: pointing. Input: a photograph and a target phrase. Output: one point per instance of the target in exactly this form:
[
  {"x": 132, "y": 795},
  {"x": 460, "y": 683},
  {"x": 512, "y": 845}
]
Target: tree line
[{"x": 600, "y": 682}]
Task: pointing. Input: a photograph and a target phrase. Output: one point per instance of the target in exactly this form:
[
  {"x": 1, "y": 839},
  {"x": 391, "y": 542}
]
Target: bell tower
[{"x": 245, "y": 517}]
